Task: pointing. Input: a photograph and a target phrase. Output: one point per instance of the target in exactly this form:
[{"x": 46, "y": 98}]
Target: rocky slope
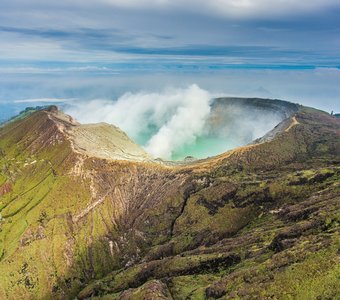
[{"x": 86, "y": 216}]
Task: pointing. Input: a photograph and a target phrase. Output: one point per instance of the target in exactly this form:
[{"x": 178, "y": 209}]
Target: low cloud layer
[{"x": 162, "y": 122}]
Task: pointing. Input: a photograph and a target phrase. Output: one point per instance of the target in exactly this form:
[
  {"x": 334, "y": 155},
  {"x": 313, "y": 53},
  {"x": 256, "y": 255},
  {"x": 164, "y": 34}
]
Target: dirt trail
[{"x": 294, "y": 122}]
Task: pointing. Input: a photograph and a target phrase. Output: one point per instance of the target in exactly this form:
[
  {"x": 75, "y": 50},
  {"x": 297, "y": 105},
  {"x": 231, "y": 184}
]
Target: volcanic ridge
[{"x": 86, "y": 213}]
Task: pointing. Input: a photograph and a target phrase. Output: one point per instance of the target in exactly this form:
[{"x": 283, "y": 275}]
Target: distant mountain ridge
[{"x": 24, "y": 113}]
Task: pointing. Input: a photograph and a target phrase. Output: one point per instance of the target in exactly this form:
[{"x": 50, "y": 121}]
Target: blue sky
[{"x": 101, "y": 49}]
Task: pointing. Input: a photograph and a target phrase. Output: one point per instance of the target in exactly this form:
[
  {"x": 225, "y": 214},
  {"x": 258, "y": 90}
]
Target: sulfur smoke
[
  {"x": 161, "y": 122},
  {"x": 179, "y": 122}
]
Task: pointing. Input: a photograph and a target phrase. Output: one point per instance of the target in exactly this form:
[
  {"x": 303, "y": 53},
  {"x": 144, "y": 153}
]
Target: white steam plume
[
  {"x": 184, "y": 126},
  {"x": 172, "y": 119}
]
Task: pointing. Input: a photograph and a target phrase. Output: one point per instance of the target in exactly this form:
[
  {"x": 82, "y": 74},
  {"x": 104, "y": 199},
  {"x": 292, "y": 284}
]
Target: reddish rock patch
[{"x": 5, "y": 188}]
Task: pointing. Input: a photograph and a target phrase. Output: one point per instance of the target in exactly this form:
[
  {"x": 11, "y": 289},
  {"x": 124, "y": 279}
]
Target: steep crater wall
[{"x": 235, "y": 122}]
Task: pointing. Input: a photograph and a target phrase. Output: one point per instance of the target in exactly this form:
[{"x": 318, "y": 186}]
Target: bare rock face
[
  {"x": 99, "y": 140},
  {"x": 85, "y": 212},
  {"x": 108, "y": 142}
]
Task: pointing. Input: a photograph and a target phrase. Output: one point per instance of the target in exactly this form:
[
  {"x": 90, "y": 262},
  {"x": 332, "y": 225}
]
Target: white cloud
[
  {"x": 264, "y": 7},
  {"x": 233, "y": 8}
]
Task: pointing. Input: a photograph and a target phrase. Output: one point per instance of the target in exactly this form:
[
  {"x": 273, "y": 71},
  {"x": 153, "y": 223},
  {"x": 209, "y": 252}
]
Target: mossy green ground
[{"x": 262, "y": 223}]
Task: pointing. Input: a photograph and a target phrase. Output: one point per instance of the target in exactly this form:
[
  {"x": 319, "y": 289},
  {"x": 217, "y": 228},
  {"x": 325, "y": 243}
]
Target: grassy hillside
[{"x": 261, "y": 221}]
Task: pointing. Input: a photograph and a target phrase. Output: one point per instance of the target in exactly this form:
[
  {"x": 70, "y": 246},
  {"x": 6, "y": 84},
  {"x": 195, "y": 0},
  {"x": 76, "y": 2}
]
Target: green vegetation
[{"x": 261, "y": 222}]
